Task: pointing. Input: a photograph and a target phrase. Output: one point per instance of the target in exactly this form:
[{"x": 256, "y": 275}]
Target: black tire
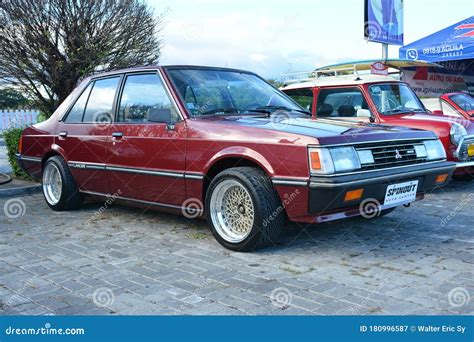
[
  {"x": 70, "y": 198},
  {"x": 268, "y": 210}
]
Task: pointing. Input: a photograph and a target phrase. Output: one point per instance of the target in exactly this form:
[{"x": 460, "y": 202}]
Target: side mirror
[
  {"x": 364, "y": 113},
  {"x": 159, "y": 115}
]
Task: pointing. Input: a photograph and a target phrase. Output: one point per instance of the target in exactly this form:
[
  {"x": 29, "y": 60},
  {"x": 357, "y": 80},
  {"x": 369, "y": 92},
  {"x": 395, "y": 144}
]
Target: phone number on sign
[{"x": 384, "y": 328}]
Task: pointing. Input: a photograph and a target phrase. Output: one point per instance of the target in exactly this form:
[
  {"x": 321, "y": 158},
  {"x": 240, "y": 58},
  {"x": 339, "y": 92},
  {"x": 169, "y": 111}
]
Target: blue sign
[
  {"x": 384, "y": 21},
  {"x": 455, "y": 42}
]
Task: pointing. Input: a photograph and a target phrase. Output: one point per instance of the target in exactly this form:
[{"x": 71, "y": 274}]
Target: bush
[{"x": 12, "y": 136}]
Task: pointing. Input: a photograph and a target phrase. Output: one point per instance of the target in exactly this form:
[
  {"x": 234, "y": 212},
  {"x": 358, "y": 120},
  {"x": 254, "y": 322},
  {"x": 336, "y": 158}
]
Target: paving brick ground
[{"x": 417, "y": 260}]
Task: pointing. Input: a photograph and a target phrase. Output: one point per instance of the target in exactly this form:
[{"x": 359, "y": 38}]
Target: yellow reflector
[
  {"x": 353, "y": 195},
  {"x": 470, "y": 150},
  {"x": 442, "y": 178},
  {"x": 315, "y": 161}
]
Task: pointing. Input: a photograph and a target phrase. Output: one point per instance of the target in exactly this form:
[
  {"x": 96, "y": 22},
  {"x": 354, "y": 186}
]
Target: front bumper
[{"x": 326, "y": 194}]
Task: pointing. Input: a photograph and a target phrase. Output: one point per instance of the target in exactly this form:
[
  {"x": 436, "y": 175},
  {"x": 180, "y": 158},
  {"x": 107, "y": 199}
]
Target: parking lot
[{"x": 417, "y": 260}]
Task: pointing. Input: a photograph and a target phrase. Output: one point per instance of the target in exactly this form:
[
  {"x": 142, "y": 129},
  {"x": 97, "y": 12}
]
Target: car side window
[
  {"x": 340, "y": 102},
  {"x": 144, "y": 94},
  {"x": 448, "y": 110},
  {"x": 304, "y": 97},
  {"x": 101, "y": 100},
  {"x": 77, "y": 111}
]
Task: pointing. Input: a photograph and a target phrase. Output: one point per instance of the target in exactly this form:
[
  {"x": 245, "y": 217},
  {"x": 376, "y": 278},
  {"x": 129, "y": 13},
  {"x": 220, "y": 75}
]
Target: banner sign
[
  {"x": 432, "y": 82},
  {"x": 384, "y": 21},
  {"x": 224, "y": 328}
]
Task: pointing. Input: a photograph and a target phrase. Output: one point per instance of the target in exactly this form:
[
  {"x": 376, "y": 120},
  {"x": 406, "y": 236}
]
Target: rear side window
[
  {"x": 143, "y": 94},
  {"x": 101, "y": 100},
  {"x": 77, "y": 111},
  {"x": 340, "y": 102}
]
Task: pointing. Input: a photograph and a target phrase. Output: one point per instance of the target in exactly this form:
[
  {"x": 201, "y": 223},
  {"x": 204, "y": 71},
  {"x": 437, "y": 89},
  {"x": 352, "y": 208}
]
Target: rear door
[
  {"x": 147, "y": 159},
  {"x": 84, "y": 132}
]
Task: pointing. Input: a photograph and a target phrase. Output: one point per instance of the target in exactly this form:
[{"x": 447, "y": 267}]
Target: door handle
[
  {"x": 117, "y": 135},
  {"x": 62, "y": 134}
]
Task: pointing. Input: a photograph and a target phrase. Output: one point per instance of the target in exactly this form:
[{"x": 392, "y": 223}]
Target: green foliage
[
  {"x": 12, "y": 99},
  {"x": 12, "y": 137}
]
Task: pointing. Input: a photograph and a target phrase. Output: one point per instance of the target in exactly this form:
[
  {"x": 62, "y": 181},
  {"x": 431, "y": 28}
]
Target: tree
[
  {"x": 10, "y": 98},
  {"x": 47, "y": 46}
]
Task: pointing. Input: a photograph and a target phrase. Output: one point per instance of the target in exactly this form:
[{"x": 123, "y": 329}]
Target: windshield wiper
[
  {"x": 282, "y": 108},
  {"x": 228, "y": 110}
]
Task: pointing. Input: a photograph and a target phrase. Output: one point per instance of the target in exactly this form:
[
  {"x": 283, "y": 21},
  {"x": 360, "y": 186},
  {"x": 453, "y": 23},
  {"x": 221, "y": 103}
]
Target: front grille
[
  {"x": 463, "y": 156},
  {"x": 392, "y": 154}
]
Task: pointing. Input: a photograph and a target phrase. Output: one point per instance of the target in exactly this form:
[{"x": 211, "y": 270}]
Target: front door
[{"x": 147, "y": 158}]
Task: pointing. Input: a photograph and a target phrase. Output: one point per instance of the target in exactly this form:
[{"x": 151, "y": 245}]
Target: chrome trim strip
[
  {"x": 171, "y": 206},
  {"x": 375, "y": 170},
  {"x": 354, "y": 144},
  {"x": 465, "y": 164},
  {"x": 290, "y": 182},
  {"x": 98, "y": 166},
  {"x": 193, "y": 176},
  {"x": 86, "y": 165},
  {"x": 31, "y": 159},
  {"x": 145, "y": 171}
]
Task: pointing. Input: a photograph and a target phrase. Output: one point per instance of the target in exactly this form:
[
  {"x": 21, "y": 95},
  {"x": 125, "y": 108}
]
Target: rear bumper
[{"x": 326, "y": 194}]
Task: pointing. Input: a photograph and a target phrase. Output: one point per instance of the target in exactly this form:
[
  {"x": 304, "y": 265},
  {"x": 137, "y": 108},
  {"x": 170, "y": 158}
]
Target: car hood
[
  {"x": 327, "y": 131},
  {"x": 440, "y": 119}
]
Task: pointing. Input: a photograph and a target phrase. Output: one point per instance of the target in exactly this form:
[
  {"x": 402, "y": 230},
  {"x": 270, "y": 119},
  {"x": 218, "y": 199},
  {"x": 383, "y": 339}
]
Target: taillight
[{"x": 20, "y": 145}]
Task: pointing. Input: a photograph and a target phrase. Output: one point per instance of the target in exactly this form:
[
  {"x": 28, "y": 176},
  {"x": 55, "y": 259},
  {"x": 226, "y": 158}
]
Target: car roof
[
  {"x": 156, "y": 67},
  {"x": 339, "y": 81}
]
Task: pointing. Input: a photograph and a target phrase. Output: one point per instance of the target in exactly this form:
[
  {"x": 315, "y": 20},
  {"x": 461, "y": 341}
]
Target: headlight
[
  {"x": 434, "y": 149},
  {"x": 457, "y": 132},
  {"x": 332, "y": 160}
]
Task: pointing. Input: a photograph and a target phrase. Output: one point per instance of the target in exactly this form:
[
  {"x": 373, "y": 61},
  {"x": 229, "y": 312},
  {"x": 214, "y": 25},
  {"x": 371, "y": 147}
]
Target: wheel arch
[{"x": 234, "y": 157}]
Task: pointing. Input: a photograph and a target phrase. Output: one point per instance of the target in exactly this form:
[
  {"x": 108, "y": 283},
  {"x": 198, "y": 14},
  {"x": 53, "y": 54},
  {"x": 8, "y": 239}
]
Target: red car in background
[
  {"x": 226, "y": 144},
  {"x": 384, "y": 100},
  {"x": 457, "y": 104}
]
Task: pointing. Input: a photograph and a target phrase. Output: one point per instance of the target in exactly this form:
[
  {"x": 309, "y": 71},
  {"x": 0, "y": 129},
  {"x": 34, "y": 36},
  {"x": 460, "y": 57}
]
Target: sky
[{"x": 280, "y": 36}]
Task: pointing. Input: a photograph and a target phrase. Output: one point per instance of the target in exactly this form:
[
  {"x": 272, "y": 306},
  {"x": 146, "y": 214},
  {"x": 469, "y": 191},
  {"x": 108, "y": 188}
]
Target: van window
[
  {"x": 340, "y": 102},
  {"x": 100, "y": 105},
  {"x": 77, "y": 111},
  {"x": 141, "y": 95}
]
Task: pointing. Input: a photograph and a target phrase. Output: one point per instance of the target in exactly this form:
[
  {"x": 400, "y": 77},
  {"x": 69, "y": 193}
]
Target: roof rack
[{"x": 352, "y": 68}]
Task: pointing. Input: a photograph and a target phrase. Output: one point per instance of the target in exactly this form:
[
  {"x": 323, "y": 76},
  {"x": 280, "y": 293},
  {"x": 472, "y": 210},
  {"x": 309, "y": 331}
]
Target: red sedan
[
  {"x": 225, "y": 144},
  {"x": 457, "y": 104}
]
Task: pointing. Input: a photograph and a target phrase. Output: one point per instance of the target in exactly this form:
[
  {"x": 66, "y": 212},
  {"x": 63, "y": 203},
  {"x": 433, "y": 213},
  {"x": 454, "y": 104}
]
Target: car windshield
[
  {"x": 464, "y": 101},
  {"x": 395, "y": 98},
  {"x": 215, "y": 91}
]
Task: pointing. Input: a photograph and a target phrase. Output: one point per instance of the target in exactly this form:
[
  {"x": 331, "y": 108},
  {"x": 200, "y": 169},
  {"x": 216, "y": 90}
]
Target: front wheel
[
  {"x": 243, "y": 209},
  {"x": 59, "y": 188}
]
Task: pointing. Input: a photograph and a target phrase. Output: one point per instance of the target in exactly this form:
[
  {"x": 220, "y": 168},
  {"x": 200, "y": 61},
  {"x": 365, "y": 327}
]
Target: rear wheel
[
  {"x": 59, "y": 188},
  {"x": 243, "y": 209}
]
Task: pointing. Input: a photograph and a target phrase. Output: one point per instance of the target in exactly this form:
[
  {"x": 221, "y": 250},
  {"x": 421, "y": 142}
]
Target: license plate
[{"x": 401, "y": 193}]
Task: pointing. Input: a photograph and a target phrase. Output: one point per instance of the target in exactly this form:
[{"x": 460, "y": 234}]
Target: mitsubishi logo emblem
[{"x": 398, "y": 155}]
